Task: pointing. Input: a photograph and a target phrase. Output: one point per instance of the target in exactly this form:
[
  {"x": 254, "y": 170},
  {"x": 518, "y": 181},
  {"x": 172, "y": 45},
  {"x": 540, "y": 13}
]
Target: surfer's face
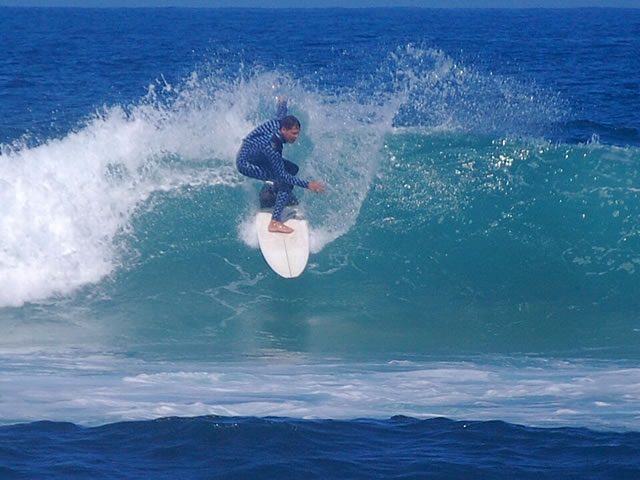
[{"x": 290, "y": 134}]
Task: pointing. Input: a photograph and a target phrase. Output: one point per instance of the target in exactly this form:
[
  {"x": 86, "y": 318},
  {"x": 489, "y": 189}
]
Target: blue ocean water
[{"x": 470, "y": 308}]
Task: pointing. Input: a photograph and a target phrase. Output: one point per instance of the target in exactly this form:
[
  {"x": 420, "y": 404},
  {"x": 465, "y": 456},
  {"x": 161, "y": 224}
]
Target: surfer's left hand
[{"x": 316, "y": 186}]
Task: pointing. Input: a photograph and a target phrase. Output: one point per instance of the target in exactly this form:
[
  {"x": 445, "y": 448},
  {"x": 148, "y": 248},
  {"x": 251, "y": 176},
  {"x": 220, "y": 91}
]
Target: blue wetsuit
[{"x": 260, "y": 157}]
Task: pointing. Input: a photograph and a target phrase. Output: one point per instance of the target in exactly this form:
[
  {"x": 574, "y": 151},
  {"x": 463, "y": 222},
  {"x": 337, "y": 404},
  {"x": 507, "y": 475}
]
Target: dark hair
[{"x": 289, "y": 122}]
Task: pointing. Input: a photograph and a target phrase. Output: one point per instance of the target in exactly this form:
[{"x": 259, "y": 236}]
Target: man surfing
[{"x": 260, "y": 157}]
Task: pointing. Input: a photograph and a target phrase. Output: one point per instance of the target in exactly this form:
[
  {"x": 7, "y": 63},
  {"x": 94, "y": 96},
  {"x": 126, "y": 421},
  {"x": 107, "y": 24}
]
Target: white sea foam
[
  {"x": 541, "y": 393},
  {"x": 66, "y": 204},
  {"x": 348, "y": 140},
  {"x": 247, "y": 231}
]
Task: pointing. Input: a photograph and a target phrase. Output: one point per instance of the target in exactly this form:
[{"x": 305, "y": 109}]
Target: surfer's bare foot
[{"x": 279, "y": 227}]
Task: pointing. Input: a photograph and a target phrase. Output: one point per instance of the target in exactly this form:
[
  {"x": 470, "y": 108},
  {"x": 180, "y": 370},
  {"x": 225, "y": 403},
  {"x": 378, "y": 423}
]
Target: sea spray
[{"x": 67, "y": 201}]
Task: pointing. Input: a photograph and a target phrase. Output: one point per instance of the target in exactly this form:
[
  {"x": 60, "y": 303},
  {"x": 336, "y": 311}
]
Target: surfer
[{"x": 260, "y": 157}]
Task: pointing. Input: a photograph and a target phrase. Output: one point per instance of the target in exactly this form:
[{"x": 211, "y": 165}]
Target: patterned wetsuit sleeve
[
  {"x": 282, "y": 110},
  {"x": 277, "y": 166}
]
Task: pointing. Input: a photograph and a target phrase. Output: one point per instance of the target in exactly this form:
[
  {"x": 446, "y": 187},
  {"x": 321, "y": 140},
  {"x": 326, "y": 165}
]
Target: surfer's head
[{"x": 290, "y": 128}]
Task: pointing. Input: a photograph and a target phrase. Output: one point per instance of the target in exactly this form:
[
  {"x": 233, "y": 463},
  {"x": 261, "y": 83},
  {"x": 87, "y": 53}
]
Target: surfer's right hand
[{"x": 316, "y": 186}]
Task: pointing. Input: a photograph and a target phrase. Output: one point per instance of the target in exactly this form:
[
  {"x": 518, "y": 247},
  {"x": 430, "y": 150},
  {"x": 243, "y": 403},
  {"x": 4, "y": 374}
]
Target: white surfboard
[{"x": 286, "y": 253}]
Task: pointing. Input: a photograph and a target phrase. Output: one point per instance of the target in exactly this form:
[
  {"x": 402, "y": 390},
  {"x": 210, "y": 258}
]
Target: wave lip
[{"x": 68, "y": 202}]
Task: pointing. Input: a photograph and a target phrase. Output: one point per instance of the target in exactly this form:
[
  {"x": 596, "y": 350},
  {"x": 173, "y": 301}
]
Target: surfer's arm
[
  {"x": 277, "y": 166},
  {"x": 282, "y": 108}
]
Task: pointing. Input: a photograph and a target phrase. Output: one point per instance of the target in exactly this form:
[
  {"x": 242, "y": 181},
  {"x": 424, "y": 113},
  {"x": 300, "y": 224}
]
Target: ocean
[{"x": 470, "y": 308}]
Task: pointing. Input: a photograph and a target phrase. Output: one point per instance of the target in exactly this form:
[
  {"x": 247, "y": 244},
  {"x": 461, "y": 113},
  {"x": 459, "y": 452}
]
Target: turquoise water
[{"x": 455, "y": 244}]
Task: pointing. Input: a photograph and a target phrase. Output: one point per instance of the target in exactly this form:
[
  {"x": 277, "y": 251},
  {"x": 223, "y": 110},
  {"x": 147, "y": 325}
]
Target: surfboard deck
[{"x": 286, "y": 253}]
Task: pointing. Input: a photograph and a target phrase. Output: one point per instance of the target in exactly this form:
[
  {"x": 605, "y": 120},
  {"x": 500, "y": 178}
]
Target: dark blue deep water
[
  {"x": 470, "y": 308},
  {"x": 401, "y": 447}
]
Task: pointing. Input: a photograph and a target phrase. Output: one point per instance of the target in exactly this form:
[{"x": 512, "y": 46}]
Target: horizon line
[{"x": 257, "y": 7}]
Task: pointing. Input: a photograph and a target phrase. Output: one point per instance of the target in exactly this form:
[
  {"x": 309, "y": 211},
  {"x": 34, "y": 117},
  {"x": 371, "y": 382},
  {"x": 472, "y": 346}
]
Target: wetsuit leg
[
  {"x": 292, "y": 169},
  {"x": 283, "y": 192},
  {"x": 269, "y": 192},
  {"x": 257, "y": 170},
  {"x": 254, "y": 171},
  {"x": 253, "y": 168}
]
